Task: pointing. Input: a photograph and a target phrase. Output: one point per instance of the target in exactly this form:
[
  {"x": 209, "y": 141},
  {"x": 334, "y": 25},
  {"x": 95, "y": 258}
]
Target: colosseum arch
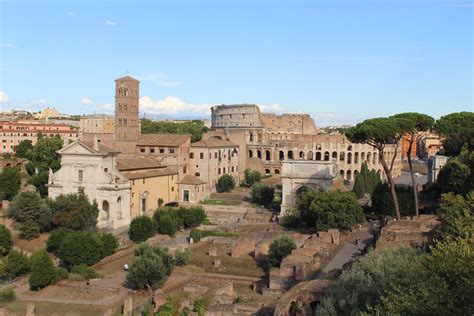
[
  {"x": 341, "y": 172},
  {"x": 268, "y": 155},
  {"x": 356, "y": 157},
  {"x": 277, "y": 171},
  {"x": 334, "y": 155},
  {"x": 281, "y": 155},
  {"x": 349, "y": 157},
  {"x": 250, "y": 153},
  {"x": 301, "y": 154},
  {"x": 259, "y": 154},
  {"x": 318, "y": 156},
  {"x": 310, "y": 155},
  {"x": 326, "y": 156},
  {"x": 267, "y": 171},
  {"x": 251, "y": 136},
  {"x": 290, "y": 154},
  {"x": 349, "y": 175},
  {"x": 362, "y": 157},
  {"x": 342, "y": 156}
]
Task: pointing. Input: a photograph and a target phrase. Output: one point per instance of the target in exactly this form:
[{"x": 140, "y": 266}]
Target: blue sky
[{"x": 340, "y": 61}]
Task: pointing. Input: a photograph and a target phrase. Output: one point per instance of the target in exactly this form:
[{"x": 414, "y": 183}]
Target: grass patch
[
  {"x": 197, "y": 234},
  {"x": 208, "y": 222},
  {"x": 220, "y": 202}
]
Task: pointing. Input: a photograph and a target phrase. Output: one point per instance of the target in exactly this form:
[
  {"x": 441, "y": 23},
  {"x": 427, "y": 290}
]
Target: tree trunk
[
  {"x": 391, "y": 183},
  {"x": 413, "y": 179}
]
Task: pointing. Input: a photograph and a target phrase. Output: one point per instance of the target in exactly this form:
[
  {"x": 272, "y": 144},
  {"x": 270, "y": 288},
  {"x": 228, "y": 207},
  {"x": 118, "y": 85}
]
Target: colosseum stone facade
[{"x": 267, "y": 144}]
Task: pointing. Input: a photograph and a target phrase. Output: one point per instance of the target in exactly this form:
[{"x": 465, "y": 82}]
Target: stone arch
[
  {"x": 349, "y": 175},
  {"x": 362, "y": 156},
  {"x": 341, "y": 172},
  {"x": 277, "y": 171},
  {"x": 349, "y": 148},
  {"x": 290, "y": 154},
  {"x": 251, "y": 136},
  {"x": 356, "y": 172},
  {"x": 267, "y": 171},
  {"x": 260, "y": 137},
  {"x": 119, "y": 208},
  {"x": 334, "y": 155},
  {"x": 301, "y": 154},
  {"x": 281, "y": 155},
  {"x": 250, "y": 153},
  {"x": 356, "y": 157},
  {"x": 319, "y": 147},
  {"x": 105, "y": 210},
  {"x": 268, "y": 155},
  {"x": 326, "y": 156},
  {"x": 309, "y": 155},
  {"x": 368, "y": 157},
  {"x": 342, "y": 156},
  {"x": 259, "y": 154},
  {"x": 349, "y": 157},
  {"x": 318, "y": 156}
]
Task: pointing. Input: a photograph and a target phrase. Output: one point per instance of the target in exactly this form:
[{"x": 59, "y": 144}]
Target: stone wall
[{"x": 289, "y": 123}]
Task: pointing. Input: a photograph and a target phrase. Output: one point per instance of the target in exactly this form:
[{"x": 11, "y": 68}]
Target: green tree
[
  {"x": 226, "y": 183},
  {"x": 251, "y": 177},
  {"x": 458, "y": 131},
  {"x": 9, "y": 183},
  {"x": 279, "y": 249},
  {"x": 55, "y": 238},
  {"x": 5, "y": 240},
  {"x": 329, "y": 209},
  {"x": 150, "y": 268},
  {"x": 22, "y": 148},
  {"x": 181, "y": 257},
  {"x": 42, "y": 270},
  {"x": 454, "y": 177},
  {"x": 420, "y": 123},
  {"x": 382, "y": 203},
  {"x": 74, "y": 211},
  {"x": 141, "y": 228},
  {"x": 379, "y": 132},
  {"x": 167, "y": 225},
  {"x": 262, "y": 194},
  {"x": 17, "y": 264},
  {"x": 31, "y": 213},
  {"x": 109, "y": 244},
  {"x": 81, "y": 247},
  {"x": 194, "y": 128},
  {"x": 192, "y": 216},
  {"x": 365, "y": 181},
  {"x": 456, "y": 214}
]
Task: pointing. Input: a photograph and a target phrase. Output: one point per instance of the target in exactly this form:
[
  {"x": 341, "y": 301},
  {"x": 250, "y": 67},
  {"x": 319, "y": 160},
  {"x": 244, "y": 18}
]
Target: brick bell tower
[{"x": 127, "y": 121}]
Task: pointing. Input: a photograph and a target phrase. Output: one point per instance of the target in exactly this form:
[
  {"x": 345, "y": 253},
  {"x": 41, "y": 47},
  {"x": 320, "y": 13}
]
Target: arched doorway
[
  {"x": 290, "y": 154},
  {"x": 281, "y": 154},
  {"x": 119, "y": 208},
  {"x": 349, "y": 175},
  {"x": 259, "y": 154},
  {"x": 341, "y": 172},
  {"x": 268, "y": 155},
  {"x": 349, "y": 157},
  {"x": 326, "y": 156},
  {"x": 334, "y": 155},
  {"x": 250, "y": 153},
  {"x": 267, "y": 171},
  {"x": 310, "y": 155},
  {"x": 356, "y": 158},
  {"x": 342, "y": 156},
  {"x": 105, "y": 210},
  {"x": 318, "y": 156},
  {"x": 277, "y": 171},
  {"x": 301, "y": 154}
]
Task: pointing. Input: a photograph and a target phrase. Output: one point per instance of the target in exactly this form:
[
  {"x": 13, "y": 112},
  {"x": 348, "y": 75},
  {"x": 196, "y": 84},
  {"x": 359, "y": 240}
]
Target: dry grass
[{"x": 53, "y": 309}]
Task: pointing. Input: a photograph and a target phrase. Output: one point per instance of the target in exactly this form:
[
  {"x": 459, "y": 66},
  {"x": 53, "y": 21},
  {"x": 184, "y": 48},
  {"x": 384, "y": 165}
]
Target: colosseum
[{"x": 268, "y": 139}]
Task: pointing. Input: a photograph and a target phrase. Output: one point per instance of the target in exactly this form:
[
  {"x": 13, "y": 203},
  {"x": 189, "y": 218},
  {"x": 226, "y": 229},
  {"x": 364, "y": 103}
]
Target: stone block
[
  {"x": 335, "y": 237},
  {"x": 216, "y": 263},
  {"x": 325, "y": 236},
  {"x": 128, "y": 306},
  {"x": 212, "y": 251},
  {"x": 242, "y": 247},
  {"x": 261, "y": 251},
  {"x": 30, "y": 309},
  {"x": 306, "y": 251}
]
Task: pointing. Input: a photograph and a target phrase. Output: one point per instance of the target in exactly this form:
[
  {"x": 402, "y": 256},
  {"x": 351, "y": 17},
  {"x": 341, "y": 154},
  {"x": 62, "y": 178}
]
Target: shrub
[
  {"x": 262, "y": 194},
  {"x": 7, "y": 295},
  {"x": 9, "y": 183},
  {"x": 226, "y": 183},
  {"x": 42, "y": 271},
  {"x": 74, "y": 211},
  {"x": 454, "y": 177},
  {"x": 251, "y": 177},
  {"x": 109, "y": 243},
  {"x": 17, "y": 264},
  {"x": 192, "y": 216},
  {"x": 60, "y": 274},
  {"x": 195, "y": 234},
  {"x": 279, "y": 249},
  {"x": 5, "y": 240},
  {"x": 22, "y": 148},
  {"x": 167, "y": 225},
  {"x": 55, "y": 239},
  {"x": 160, "y": 202},
  {"x": 181, "y": 257},
  {"x": 168, "y": 211},
  {"x": 382, "y": 202},
  {"x": 81, "y": 248},
  {"x": 200, "y": 306},
  {"x": 85, "y": 272},
  {"x": 141, "y": 228},
  {"x": 3, "y": 269}
]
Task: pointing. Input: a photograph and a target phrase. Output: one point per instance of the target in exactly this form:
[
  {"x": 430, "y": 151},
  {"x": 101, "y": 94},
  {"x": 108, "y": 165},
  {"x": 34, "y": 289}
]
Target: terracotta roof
[
  {"x": 214, "y": 143},
  {"x": 137, "y": 163},
  {"x": 173, "y": 140},
  {"x": 190, "y": 179},
  {"x": 126, "y": 78},
  {"x": 131, "y": 175}
]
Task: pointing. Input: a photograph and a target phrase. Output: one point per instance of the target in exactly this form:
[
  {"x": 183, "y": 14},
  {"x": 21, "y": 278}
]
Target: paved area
[{"x": 348, "y": 250}]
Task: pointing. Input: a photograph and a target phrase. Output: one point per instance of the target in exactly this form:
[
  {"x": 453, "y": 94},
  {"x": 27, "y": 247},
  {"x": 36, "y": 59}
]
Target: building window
[
  {"x": 172, "y": 189},
  {"x": 143, "y": 181},
  {"x": 232, "y": 168},
  {"x": 152, "y": 150},
  {"x": 201, "y": 155},
  {"x": 219, "y": 171},
  {"x": 197, "y": 174},
  {"x": 81, "y": 175},
  {"x": 106, "y": 169},
  {"x": 142, "y": 150},
  {"x": 171, "y": 150},
  {"x": 215, "y": 155},
  {"x": 191, "y": 155},
  {"x": 184, "y": 169}
]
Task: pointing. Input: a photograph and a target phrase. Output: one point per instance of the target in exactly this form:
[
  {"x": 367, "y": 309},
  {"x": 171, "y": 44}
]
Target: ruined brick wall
[{"x": 289, "y": 123}]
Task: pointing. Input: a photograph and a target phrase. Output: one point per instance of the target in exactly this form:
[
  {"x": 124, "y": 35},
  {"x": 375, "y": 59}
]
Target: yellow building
[{"x": 150, "y": 182}]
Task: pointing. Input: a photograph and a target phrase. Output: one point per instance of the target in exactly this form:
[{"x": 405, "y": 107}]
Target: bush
[
  {"x": 181, "y": 257},
  {"x": 382, "y": 202},
  {"x": 226, "y": 183},
  {"x": 81, "y": 248},
  {"x": 22, "y": 148},
  {"x": 279, "y": 249},
  {"x": 192, "y": 216},
  {"x": 454, "y": 177},
  {"x": 5, "y": 240},
  {"x": 74, "y": 211},
  {"x": 31, "y": 213},
  {"x": 55, "y": 239},
  {"x": 200, "y": 306},
  {"x": 60, "y": 274},
  {"x": 141, "y": 228},
  {"x": 195, "y": 234},
  {"x": 17, "y": 264},
  {"x": 85, "y": 272},
  {"x": 7, "y": 295},
  {"x": 109, "y": 244},
  {"x": 167, "y": 225},
  {"x": 262, "y": 194},
  {"x": 251, "y": 177},
  {"x": 9, "y": 183},
  {"x": 42, "y": 271}
]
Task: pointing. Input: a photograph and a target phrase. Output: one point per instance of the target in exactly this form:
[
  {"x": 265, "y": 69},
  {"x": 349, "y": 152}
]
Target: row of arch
[{"x": 318, "y": 156}]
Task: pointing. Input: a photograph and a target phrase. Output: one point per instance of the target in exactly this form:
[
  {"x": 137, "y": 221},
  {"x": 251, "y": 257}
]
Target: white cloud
[
  {"x": 4, "y": 98},
  {"x": 87, "y": 101},
  {"x": 172, "y": 105},
  {"x": 168, "y": 84},
  {"x": 110, "y": 23},
  {"x": 274, "y": 108}
]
